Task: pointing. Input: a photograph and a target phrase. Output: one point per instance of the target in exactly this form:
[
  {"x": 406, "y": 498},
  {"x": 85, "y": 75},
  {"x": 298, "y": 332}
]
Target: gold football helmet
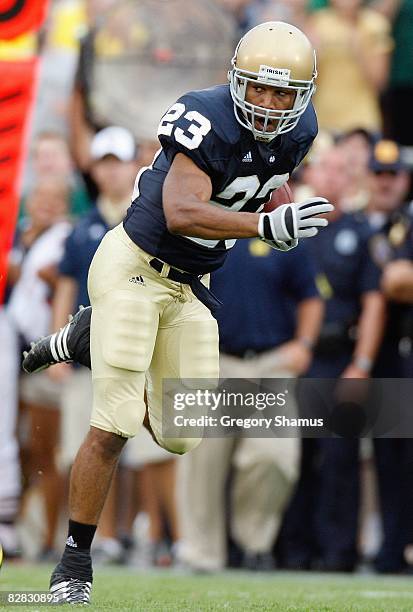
[{"x": 277, "y": 54}]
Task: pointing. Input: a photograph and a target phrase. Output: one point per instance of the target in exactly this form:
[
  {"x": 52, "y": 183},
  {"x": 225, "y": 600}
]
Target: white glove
[{"x": 282, "y": 227}]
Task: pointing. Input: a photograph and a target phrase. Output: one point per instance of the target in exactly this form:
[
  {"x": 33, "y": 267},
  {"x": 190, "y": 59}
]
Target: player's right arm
[
  {"x": 186, "y": 194},
  {"x": 188, "y": 140}
]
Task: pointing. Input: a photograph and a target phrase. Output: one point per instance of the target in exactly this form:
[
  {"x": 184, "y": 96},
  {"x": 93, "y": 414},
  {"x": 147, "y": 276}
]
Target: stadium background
[{"x": 92, "y": 64}]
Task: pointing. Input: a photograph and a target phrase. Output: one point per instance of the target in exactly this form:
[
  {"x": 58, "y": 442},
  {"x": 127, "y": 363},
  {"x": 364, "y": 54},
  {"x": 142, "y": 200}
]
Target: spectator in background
[
  {"x": 51, "y": 158},
  {"x": 398, "y": 99},
  {"x": 266, "y": 332},
  {"x": 37, "y": 249},
  {"x": 390, "y": 218},
  {"x": 61, "y": 32},
  {"x": 356, "y": 145},
  {"x": 396, "y": 553},
  {"x": 320, "y": 527},
  {"x": 124, "y": 42},
  {"x": 391, "y": 248},
  {"x": 82, "y": 122},
  {"x": 353, "y": 51},
  {"x": 291, "y": 11},
  {"x": 249, "y": 14},
  {"x": 243, "y": 12}
]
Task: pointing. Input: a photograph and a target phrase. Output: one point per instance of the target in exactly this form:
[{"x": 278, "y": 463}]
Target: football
[{"x": 282, "y": 195}]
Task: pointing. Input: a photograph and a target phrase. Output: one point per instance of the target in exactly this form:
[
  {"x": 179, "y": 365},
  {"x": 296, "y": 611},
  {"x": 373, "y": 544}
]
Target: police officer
[
  {"x": 273, "y": 299},
  {"x": 391, "y": 219},
  {"x": 320, "y": 528},
  {"x": 391, "y": 248}
]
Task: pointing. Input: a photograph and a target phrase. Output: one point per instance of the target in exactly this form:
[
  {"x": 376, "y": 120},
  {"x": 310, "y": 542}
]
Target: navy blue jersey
[
  {"x": 268, "y": 285},
  {"x": 243, "y": 172},
  {"x": 80, "y": 248},
  {"x": 345, "y": 266}
]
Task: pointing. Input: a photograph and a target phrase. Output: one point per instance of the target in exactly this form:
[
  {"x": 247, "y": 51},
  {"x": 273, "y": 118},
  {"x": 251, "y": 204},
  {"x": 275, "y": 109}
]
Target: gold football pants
[{"x": 144, "y": 328}]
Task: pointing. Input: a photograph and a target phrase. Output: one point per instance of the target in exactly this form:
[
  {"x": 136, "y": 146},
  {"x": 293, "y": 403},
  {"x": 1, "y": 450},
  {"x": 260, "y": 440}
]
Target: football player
[{"x": 224, "y": 150}]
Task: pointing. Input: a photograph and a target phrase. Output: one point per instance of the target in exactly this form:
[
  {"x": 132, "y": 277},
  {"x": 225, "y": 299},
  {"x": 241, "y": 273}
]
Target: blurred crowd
[{"x": 341, "y": 306}]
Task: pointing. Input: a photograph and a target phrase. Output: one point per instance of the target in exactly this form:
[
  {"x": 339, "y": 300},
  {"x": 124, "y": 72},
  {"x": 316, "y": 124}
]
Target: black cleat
[
  {"x": 68, "y": 590},
  {"x": 71, "y": 343}
]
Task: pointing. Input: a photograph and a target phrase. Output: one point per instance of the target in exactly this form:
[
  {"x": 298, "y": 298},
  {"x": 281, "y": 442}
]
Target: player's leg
[
  {"x": 145, "y": 462},
  {"x": 71, "y": 343},
  {"x": 49, "y": 350},
  {"x": 123, "y": 332},
  {"x": 186, "y": 348}
]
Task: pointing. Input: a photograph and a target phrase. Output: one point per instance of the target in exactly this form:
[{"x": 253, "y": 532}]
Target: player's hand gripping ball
[{"x": 283, "y": 221}]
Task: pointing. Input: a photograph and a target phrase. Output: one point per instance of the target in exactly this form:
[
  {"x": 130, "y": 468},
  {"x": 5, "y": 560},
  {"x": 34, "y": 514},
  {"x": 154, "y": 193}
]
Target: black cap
[{"x": 386, "y": 157}]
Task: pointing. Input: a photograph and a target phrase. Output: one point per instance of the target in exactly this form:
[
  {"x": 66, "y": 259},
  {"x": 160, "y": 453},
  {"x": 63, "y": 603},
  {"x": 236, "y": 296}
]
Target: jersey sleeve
[{"x": 186, "y": 128}]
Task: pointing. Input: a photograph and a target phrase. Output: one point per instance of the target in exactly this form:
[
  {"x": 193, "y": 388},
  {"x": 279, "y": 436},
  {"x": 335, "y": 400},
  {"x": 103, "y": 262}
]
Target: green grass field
[{"x": 125, "y": 589}]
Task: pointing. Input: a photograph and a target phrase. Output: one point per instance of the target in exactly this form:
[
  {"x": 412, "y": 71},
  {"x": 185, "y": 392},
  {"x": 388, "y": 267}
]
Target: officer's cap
[{"x": 386, "y": 157}]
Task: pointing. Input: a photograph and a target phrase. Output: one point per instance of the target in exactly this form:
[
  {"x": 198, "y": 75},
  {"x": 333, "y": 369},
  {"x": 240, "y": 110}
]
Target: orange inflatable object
[
  {"x": 21, "y": 16},
  {"x": 17, "y": 85}
]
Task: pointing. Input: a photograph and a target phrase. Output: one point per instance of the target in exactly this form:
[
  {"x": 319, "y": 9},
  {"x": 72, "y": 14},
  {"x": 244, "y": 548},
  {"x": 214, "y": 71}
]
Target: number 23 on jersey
[{"x": 198, "y": 128}]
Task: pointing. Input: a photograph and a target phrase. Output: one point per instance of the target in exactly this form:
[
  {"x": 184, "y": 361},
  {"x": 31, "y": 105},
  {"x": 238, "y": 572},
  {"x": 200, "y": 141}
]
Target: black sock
[
  {"x": 80, "y": 535},
  {"x": 76, "y": 559}
]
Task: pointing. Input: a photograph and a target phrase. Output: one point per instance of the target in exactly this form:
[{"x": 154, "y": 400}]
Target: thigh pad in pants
[
  {"x": 198, "y": 354},
  {"x": 129, "y": 338}
]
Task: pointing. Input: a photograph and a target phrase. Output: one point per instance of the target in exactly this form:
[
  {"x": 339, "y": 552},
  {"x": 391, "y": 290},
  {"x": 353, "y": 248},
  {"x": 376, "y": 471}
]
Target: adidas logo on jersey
[
  {"x": 70, "y": 542},
  {"x": 138, "y": 280},
  {"x": 247, "y": 157}
]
